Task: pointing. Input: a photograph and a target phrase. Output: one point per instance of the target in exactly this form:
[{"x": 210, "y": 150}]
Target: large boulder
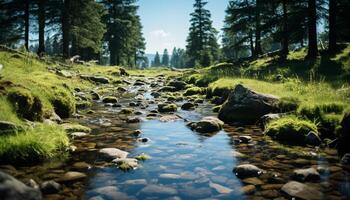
[
  {"x": 207, "y": 125},
  {"x": 11, "y": 188},
  {"x": 247, "y": 106}
]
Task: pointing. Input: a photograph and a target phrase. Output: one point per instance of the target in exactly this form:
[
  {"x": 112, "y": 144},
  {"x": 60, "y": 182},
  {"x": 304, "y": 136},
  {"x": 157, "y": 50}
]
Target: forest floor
[{"x": 57, "y": 120}]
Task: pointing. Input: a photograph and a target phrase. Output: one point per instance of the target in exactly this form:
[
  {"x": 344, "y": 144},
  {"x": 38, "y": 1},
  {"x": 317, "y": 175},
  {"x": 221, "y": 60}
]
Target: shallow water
[
  {"x": 181, "y": 160},
  {"x": 184, "y": 164}
]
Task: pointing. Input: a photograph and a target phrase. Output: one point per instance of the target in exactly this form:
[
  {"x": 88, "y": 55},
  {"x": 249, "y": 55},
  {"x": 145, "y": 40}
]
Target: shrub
[{"x": 290, "y": 130}]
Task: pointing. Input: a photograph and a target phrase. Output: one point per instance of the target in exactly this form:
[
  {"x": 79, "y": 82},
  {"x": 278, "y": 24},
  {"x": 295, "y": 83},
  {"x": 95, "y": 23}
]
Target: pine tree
[
  {"x": 124, "y": 32},
  {"x": 165, "y": 58},
  {"x": 174, "y": 58},
  {"x": 201, "y": 40},
  {"x": 156, "y": 62}
]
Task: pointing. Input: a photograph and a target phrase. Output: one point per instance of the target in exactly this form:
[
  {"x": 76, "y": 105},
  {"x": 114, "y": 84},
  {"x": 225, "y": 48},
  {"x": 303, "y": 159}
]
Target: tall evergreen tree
[
  {"x": 156, "y": 62},
  {"x": 201, "y": 41},
  {"x": 124, "y": 32},
  {"x": 165, "y": 58},
  {"x": 332, "y": 20}
]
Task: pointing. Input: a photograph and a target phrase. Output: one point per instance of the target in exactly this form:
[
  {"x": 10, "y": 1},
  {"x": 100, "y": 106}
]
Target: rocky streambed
[{"x": 140, "y": 144}]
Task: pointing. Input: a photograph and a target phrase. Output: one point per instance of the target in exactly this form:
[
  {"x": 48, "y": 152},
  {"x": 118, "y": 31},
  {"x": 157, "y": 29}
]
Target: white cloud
[{"x": 160, "y": 33}]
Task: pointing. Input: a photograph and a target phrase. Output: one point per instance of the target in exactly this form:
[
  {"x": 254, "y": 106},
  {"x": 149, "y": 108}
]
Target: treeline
[
  {"x": 176, "y": 60},
  {"x": 255, "y": 27},
  {"x": 92, "y": 29}
]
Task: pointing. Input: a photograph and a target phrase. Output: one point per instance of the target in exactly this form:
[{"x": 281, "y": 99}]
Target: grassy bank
[
  {"x": 31, "y": 90},
  {"x": 317, "y": 91}
]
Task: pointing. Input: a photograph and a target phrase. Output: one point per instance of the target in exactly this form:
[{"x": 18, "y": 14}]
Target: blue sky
[{"x": 166, "y": 22}]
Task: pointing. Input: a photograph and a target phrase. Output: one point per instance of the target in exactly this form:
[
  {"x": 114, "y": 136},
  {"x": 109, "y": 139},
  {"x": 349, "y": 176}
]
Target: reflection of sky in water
[{"x": 195, "y": 162}]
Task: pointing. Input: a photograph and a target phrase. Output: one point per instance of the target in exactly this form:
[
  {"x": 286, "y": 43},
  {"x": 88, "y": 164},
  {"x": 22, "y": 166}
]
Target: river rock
[
  {"x": 81, "y": 166},
  {"x": 253, "y": 181},
  {"x": 301, "y": 191},
  {"x": 95, "y": 96},
  {"x": 169, "y": 118},
  {"x": 126, "y": 163},
  {"x": 96, "y": 79},
  {"x": 71, "y": 176},
  {"x": 50, "y": 187},
  {"x": 8, "y": 128},
  {"x": 313, "y": 139},
  {"x": 78, "y": 134},
  {"x": 165, "y": 107},
  {"x": 248, "y": 189},
  {"x": 113, "y": 153},
  {"x": 247, "y": 170},
  {"x": 309, "y": 174},
  {"x": 219, "y": 188},
  {"x": 143, "y": 140},
  {"x": 12, "y": 189},
  {"x": 207, "y": 125},
  {"x": 264, "y": 120},
  {"x": 133, "y": 120},
  {"x": 155, "y": 94},
  {"x": 245, "y": 105},
  {"x": 245, "y": 139},
  {"x": 158, "y": 190},
  {"x": 167, "y": 89},
  {"x": 122, "y": 89},
  {"x": 110, "y": 99},
  {"x": 188, "y": 106},
  {"x": 178, "y": 85}
]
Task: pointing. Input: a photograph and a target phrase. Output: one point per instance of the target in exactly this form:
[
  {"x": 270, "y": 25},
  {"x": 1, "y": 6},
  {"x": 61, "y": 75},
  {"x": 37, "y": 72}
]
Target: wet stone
[
  {"x": 309, "y": 174},
  {"x": 71, "y": 176},
  {"x": 50, "y": 187},
  {"x": 158, "y": 189},
  {"x": 113, "y": 153},
  {"x": 247, "y": 170},
  {"x": 245, "y": 139},
  {"x": 133, "y": 120},
  {"x": 220, "y": 189},
  {"x": 301, "y": 191},
  {"x": 81, "y": 166},
  {"x": 248, "y": 189},
  {"x": 253, "y": 181}
]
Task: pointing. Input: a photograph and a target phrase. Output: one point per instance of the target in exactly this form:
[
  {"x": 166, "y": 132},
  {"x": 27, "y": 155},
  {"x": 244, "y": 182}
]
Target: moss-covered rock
[
  {"x": 290, "y": 130},
  {"x": 178, "y": 85},
  {"x": 167, "y": 107},
  {"x": 193, "y": 91},
  {"x": 288, "y": 104},
  {"x": 127, "y": 111},
  {"x": 110, "y": 99},
  {"x": 26, "y": 105}
]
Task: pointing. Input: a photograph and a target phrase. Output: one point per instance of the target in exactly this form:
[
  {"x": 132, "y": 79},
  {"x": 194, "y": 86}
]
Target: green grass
[
  {"x": 33, "y": 145},
  {"x": 290, "y": 130}
]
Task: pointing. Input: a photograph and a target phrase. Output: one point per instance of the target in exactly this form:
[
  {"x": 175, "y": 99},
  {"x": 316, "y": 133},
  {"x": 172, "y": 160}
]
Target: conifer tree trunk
[
  {"x": 41, "y": 22},
  {"x": 312, "y": 53},
  {"x": 258, "y": 49},
  {"x": 332, "y": 26},
  {"x": 65, "y": 28},
  {"x": 285, "y": 35},
  {"x": 26, "y": 24}
]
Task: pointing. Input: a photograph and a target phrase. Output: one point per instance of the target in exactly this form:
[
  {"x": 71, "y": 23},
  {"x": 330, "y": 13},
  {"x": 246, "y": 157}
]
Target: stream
[{"x": 183, "y": 164}]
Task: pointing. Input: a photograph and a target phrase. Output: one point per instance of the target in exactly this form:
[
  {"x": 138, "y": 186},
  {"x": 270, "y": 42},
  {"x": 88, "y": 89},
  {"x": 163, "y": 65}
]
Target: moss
[
  {"x": 290, "y": 130},
  {"x": 127, "y": 111},
  {"x": 143, "y": 157},
  {"x": 167, "y": 108},
  {"x": 83, "y": 104},
  {"x": 125, "y": 167},
  {"x": 193, "y": 91},
  {"x": 33, "y": 145},
  {"x": 26, "y": 105}
]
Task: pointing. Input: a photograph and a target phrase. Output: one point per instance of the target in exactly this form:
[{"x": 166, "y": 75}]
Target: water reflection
[{"x": 182, "y": 165}]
